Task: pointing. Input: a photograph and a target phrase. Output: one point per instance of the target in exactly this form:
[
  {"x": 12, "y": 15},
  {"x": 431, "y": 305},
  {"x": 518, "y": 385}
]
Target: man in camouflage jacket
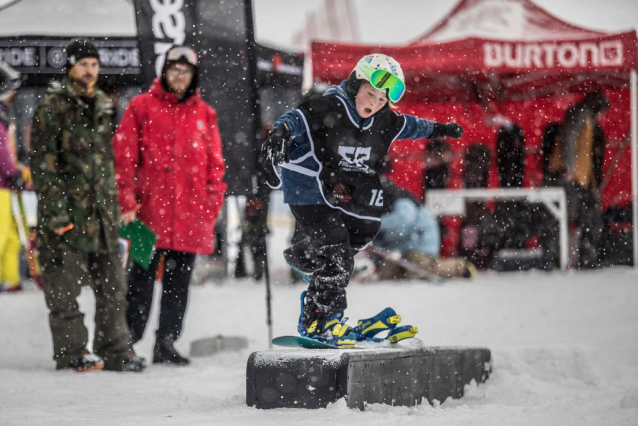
[{"x": 78, "y": 217}]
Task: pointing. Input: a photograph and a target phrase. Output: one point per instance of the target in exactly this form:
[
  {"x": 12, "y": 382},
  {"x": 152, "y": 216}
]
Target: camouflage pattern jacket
[{"x": 74, "y": 171}]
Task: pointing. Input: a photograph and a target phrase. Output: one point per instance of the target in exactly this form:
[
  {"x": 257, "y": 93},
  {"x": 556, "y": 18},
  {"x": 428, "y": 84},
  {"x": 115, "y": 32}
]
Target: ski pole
[{"x": 268, "y": 310}]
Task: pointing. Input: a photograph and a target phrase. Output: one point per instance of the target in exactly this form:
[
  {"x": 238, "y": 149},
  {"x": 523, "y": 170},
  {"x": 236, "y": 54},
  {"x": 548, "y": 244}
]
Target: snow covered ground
[{"x": 564, "y": 346}]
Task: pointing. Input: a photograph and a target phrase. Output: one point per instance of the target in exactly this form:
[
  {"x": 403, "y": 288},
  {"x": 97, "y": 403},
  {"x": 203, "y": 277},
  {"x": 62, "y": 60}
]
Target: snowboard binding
[
  {"x": 337, "y": 332},
  {"x": 387, "y": 319}
]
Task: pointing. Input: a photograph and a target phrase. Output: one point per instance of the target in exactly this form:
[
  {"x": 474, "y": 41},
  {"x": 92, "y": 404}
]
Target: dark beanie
[{"x": 80, "y": 48}]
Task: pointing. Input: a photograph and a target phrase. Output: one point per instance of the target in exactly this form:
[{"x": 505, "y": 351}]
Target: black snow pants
[
  {"x": 332, "y": 238},
  {"x": 178, "y": 267}
]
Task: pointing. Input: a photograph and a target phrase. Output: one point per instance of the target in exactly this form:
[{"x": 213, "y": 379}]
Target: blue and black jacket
[{"x": 336, "y": 156}]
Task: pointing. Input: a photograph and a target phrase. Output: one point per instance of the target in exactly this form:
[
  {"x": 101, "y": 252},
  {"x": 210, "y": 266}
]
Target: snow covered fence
[{"x": 407, "y": 377}]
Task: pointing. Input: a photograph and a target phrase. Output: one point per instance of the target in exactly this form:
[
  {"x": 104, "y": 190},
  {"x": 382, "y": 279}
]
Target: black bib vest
[{"x": 351, "y": 157}]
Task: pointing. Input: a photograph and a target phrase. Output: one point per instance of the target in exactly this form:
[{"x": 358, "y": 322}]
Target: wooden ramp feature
[{"x": 313, "y": 378}]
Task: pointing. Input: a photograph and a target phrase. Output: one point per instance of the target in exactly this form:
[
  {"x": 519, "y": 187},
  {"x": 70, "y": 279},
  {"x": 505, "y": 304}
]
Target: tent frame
[{"x": 634, "y": 160}]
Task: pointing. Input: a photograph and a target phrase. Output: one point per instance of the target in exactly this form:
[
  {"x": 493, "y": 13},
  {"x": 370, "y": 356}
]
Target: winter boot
[
  {"x": 387, "y": 319},
  {"x": 85, "y": 361},
  {"x": 165, "y": 353},
  {"x": 134, "y": 363},
  {"x": 323, "y": 335},
  {"x": 125, "y": 362}
]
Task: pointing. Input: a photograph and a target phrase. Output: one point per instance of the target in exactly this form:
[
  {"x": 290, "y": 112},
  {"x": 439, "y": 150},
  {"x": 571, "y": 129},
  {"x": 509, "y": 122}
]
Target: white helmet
[{"x": 383, "y": 73}]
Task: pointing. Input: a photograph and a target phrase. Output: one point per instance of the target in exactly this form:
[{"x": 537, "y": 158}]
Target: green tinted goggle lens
[{"x": 382, "y": 80}]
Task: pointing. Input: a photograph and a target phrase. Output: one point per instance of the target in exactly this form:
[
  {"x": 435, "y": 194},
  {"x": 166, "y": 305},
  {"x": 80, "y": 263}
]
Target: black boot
[
  {"x": 85, "y": 361},
  {"x": 165, "y": 353}
]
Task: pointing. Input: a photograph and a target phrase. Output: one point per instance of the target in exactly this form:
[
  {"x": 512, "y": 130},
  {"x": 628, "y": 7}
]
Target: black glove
[
  {"x": 275, "y": 150},
  {"x": 446, "y": 130}
]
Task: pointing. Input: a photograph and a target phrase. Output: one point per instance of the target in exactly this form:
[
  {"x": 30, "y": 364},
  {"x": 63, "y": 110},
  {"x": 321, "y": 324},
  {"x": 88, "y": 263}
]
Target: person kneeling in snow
[{"x": 410, "y": 228}]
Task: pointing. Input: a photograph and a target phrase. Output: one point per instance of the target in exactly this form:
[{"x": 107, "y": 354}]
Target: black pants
[
  {"x": 583, "y": 206},
  {"x": 332, "y": 240},
  {"x": 65, "y": 271},
  {"x": 178, "y": 267}
]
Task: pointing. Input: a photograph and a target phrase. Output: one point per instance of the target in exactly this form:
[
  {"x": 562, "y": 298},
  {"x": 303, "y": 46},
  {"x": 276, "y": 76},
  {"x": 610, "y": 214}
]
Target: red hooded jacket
[{"x": 168, "y": 158}]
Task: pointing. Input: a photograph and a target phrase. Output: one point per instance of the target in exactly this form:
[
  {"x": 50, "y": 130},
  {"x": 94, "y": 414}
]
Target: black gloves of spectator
[
  {"x": 275, "y": 149},
  {"x": 446, "y": 130}
]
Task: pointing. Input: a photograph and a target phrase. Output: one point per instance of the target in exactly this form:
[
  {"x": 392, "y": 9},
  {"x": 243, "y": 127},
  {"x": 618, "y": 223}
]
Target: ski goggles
[
  {"x": 385, "y": 80},
  {"x": 178, "y": 52}
]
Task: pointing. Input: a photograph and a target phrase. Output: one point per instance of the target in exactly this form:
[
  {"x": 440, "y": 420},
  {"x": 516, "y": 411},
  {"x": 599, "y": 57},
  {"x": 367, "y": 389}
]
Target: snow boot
[
  {"x": 86, "y": 361},
  {"x": 335, "y": 331},
  {"x": 165, "y": 353},
  {"x": 333, "y": 319},
  {"x": 125, "y": 362},
  {"x": 134, "y": 363}
]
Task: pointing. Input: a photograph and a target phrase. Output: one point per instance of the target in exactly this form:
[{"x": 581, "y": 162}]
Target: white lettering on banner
[
  {"x": 611, "y": 53},
  {"x": 510, "y": 60},
  {"x": 168, "y": 22},
  {"x": 567, "y": 55},
  {"x": 19, "y": 57},
  {"x": 588, "y": 54},
  {"x": 549, "y": 49},
  {"x": 111, "y": 57},
  {"x": 533, "y": 57},
  {"x": 56, "y": 57},
  {"x": 550, "y": 55}
]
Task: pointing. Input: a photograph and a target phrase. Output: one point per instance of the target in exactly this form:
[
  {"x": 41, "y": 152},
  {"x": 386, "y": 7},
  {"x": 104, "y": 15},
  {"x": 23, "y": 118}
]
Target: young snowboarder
[{"x": 332, "y": 149}]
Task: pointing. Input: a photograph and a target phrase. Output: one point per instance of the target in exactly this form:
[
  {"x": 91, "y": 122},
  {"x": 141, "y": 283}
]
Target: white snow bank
[{"x": 564, "y": 348}]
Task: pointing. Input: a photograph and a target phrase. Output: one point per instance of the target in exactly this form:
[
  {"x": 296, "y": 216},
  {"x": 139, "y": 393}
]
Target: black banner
[
  {"x": 161, "y": 24},
  {"x": 228, "y": 82},
  {"x": 45, "y": 57}
]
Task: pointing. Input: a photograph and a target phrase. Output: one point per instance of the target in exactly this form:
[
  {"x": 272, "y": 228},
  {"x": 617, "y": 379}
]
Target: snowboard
[
  {"x": 301, "y": 342},
  {"x": 306, "y": 343}
]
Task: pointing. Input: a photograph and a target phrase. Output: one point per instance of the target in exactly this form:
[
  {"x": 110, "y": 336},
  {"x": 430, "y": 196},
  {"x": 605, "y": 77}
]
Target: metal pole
[
  {"x": 563, "y": 231},
  {"x": 251, "y": 53},
  {"x": 268, "y": 310},
  {"x": 634, "y": 162}
]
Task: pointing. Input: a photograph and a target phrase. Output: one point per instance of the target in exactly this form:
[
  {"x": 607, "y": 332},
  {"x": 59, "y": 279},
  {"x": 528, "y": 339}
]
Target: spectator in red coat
[{"x": 169, "y": 171}]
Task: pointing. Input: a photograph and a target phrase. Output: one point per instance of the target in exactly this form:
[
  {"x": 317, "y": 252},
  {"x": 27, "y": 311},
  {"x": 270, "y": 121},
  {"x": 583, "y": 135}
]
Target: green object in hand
[{"x": 142, "y": 242}]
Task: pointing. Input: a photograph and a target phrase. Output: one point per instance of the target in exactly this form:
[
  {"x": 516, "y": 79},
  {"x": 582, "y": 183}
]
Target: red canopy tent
[{"x": 507, "y": 58}]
